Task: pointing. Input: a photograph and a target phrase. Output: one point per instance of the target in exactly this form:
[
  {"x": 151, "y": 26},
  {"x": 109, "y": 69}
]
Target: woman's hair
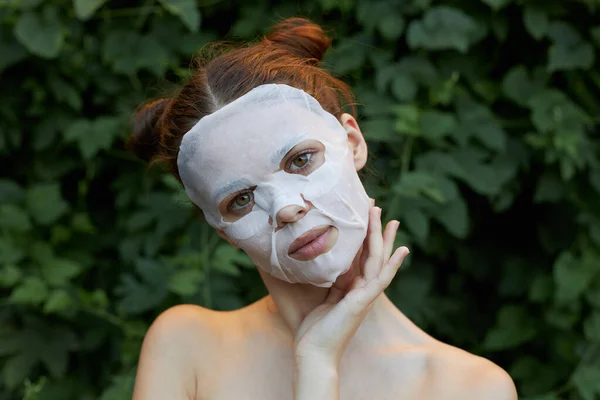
[{"x": 289, "y": 54}]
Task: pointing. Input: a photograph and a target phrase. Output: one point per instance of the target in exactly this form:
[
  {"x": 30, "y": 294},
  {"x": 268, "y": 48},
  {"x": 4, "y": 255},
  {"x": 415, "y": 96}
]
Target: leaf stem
[
  {"x": 406, "y": 155},
  {"x": 145, "y": 11}
]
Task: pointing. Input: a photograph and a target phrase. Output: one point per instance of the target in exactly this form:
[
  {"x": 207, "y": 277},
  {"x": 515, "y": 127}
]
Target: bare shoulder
[
  {"x": 176, "y": 340},
  {"x": 182, "y": 321},
  {"x": 463, "y": 373},
  {"x": 189, "y": 332}
]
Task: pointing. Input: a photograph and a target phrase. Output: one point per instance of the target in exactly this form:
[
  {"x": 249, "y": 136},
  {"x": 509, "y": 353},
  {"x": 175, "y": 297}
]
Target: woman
[{"x": 258, "y": 138}]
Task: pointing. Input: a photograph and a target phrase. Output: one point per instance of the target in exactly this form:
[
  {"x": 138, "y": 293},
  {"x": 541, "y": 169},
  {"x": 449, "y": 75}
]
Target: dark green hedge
[{"x": 482, "y": 120}]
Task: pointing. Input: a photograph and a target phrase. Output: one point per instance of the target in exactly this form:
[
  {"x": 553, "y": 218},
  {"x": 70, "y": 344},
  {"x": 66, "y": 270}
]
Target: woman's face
[{"x": 280, "y": 182}]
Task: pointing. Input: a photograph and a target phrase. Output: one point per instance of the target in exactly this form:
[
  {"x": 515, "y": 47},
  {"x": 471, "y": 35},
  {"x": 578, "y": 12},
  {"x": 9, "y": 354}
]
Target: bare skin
[{"x": 305, "y": 342}]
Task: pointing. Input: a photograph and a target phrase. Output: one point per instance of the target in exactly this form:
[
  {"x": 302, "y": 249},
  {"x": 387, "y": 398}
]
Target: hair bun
[
  {"x": 145, "y": 139},
  {"x": 300, "y": 37}
]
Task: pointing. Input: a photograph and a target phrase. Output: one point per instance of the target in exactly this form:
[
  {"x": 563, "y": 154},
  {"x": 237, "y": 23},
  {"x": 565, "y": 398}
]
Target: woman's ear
[
  {"x": 356, "y": 141},
  {"x": 226, "y": 238}
]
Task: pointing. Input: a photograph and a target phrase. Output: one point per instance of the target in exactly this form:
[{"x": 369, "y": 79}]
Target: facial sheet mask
[{"x": 241, "y": 146}]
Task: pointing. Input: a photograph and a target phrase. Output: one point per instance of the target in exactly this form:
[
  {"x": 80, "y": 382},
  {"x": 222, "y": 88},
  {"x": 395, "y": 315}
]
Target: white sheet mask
[{"x": 242, "y": 145}]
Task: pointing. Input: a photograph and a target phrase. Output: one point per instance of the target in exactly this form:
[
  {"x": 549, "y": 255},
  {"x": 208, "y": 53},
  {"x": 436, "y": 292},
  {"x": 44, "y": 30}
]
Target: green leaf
[
  {"x": 407, "y": 119},
  {"x": 138, "y": 296},
  {"x": 536, "y": 21},
  {"x": 481, "y": 177},
  {"x": 185, "y": 282},
  {"x": 442, "y": 163},
  {"x": 10, "y": 275},
  {"x": 552, "y": 111},
  {"x": 12, "y": 52},
  {"x": 227, "y": 258},
  {"x": 186, "y": 10},
  {"x": 32, "y": 291},
  {"x": 342, "y": 5},
  {"x": 380, "y": 130},
  {"x": 513, "y": 328},
  {"x": 518, "y": 86},
  {"x": 57, "y": 344},
  {"x": 10, "y": 251},
  {"x": 442, "y": 28},
  {"x": 500, "y": 27},
  {"x": 563, "y": 58},
  {"x": 58, "y": 271},
  {"x": 497, "y": 5},
  {"x": 454, "y": 216},
  {"x": 348, "y": 55},
  {"x": 541, "y": 289},
  {"x": 595, "y": 179},
  {"x": 417, "y": 184},
  {"x": 591, "y": 327},
  {"x": 17, "y": 368},
  {"x": 93, "y": 136},
  {"x": 128, "y": 52},
  {"x": 391, "y": 26},
  {"x": 548, "y": 396},
  {"x": 569, "y": 50},
  {"x": 121, "y": 388},
  {"x": 14, "y": 218},
  {"x": 84, "y": 9},
  {"x": 413, "y": 290},
  {"x": 416, "y": 221},
  {"x": 10, "y": 192},
  {"x": 45, "y": 203},
  {"x": 595, "y": 232},
  {"x": 81, "y": 222},
  {"x": 587, "y": 381},
  {"x": 58, "y": 301},
  {"x": 404, "y": 87},
  {"x": 595, "y": 34},
  {"x": 593, "y": 294},
  {"x": 535, "y": 376},
  {"x": 435, "y": 125},
  {"x": 550, "y": 188},
  {"x": 478, "y": 120},
  {"x": 65, "y": 93},
  {"x": 27, "y": 4},
  {"x": 42, "y": 35},
  {"x": 571, "y": 277}
]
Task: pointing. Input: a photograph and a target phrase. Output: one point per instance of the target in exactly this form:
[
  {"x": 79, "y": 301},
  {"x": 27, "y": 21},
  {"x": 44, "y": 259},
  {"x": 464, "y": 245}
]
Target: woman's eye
[
  {"x": 243, "y": 199},
  {"x": 301, "y": 160}
]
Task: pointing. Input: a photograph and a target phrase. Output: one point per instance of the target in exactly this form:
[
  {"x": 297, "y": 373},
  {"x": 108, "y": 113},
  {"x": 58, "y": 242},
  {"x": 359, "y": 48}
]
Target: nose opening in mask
[{"x": 286, "y": 207}]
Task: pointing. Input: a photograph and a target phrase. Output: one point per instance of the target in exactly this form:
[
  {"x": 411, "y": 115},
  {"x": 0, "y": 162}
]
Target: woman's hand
[{"x": 324, "y": 334}]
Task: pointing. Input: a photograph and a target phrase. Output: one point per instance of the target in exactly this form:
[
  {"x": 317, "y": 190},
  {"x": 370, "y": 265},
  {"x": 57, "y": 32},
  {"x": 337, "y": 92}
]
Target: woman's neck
[{"x": 384, "y": 326}]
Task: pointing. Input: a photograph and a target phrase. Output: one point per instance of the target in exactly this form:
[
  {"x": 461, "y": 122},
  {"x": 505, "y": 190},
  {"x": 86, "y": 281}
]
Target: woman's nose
[{"x": 291, "y": 213}]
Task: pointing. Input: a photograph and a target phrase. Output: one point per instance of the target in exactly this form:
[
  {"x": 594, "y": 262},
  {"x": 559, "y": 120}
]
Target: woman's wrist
[{"x": 315, "y": 378}]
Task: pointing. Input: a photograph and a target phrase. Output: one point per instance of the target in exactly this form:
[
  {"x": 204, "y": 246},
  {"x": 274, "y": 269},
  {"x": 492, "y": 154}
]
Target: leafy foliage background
[{"x": 482, "y": 120}]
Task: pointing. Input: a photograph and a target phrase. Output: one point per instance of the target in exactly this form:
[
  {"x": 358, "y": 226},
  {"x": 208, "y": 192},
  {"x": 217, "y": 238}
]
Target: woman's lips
[{"x": 313, "y": 243}]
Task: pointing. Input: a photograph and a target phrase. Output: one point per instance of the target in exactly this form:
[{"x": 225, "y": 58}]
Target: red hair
[{"x": 289, "y": 54}]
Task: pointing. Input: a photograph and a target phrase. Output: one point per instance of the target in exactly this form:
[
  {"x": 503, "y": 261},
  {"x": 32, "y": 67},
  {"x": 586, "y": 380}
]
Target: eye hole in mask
[{"x": 304, "y": 158}]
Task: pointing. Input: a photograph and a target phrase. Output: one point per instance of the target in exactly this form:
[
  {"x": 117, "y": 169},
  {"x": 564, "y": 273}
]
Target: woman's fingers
[
  {"x": 374, "y": 260},
  {"x": 364, "y": 295},
  {"x": 391, "y": 267},
  {"x": 348, "y": 313},
  {"x": 389, "y": 235}
]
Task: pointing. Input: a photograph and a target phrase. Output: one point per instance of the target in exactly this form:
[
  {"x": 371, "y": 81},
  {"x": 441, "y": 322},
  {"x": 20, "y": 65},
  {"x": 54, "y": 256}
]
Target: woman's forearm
[{"x": 315, "y": 380}]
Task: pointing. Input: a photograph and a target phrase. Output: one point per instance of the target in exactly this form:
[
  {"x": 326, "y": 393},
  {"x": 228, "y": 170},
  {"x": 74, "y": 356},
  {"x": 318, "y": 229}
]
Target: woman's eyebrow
[
  {"x": 278, "y": 155},
  {"x": 231, "y": 187}
]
